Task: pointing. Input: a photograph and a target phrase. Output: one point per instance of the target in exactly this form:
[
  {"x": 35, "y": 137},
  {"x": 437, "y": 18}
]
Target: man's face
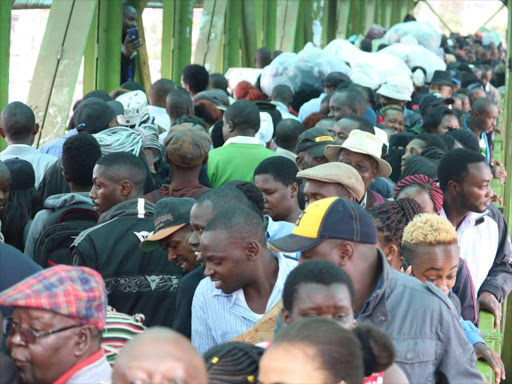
[
  {"x": 448, "y": 123},
  {"x": 444, "y": 90},
  {"x": 365, "y": 165},
  {"x": 316, "y": 190},
  {"x": 226, "y": 261},
  {"x": 105, "y": 193},
  {"x": 200, "y": 215},
  {"x": 342, "y": 130},
  {"x": 457, "y": 104},
  {"x": 306, "y": 160},
  {"x": 466, "y": 105},
  {"x": 326, "y": 250},
  {"x": 45, "y": 360},
  {"x": 179, "y": 250},
  {"x": 394, "y": 120},
  {"x": 476, "y": 191},
  {"x": 5, "y": 188},
  {"x": 487, "y": 119},
  {"x": 338, "y": 108},
  {"x": 486, "y": 77},
  {"x": 317, "y": 300},
  {"x": 437, "y": 264},
  {"x": 415, "y": 147},
  {"x": 129, "y": 18}
]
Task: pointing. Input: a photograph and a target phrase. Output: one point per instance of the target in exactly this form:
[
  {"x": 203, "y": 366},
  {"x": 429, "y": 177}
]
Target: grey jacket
[
  {"x": 425, "y": 329},
  {"x": 51, "y": 205}
]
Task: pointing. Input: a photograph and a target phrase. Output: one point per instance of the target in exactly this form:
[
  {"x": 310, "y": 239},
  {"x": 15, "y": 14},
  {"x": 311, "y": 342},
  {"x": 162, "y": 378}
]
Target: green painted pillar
[
  {"x": 167, "y": 35},
  {"x": 110, "y": 25},
  {"x": 259, "y": 21},
  {"x": 5, "y": 44},
  {"x": 232, "y": 35},
  {"x": 182, "y": 37},
  {"x": 269, "y": 26},
  {"x": 90, "y": 56},
  {"x": 299, "y": 31},
  {"x": 248, "y": 36}
]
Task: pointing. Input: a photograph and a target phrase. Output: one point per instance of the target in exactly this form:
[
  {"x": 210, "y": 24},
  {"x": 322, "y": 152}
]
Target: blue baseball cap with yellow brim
[{"x": 331, "y": 218}]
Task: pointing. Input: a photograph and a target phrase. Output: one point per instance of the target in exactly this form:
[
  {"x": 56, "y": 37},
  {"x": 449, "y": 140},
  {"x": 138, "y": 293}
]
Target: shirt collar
[
  {"x": 243, "y": 140},
  {"x": 363, "y": 202},
  {"x": 468, "y": 221}
]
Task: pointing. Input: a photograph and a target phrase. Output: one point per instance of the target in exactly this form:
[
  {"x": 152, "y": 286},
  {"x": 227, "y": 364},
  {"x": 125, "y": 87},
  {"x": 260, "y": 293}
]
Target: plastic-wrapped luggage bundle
[
  {"x": 308, "y": 67},
  {"x": 424, "y": 33},
  {"x": 417, "y": 55}
]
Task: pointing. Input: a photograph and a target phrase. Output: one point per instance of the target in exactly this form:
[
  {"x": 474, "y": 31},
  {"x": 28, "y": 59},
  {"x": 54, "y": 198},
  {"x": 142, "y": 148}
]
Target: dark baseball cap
[
  {"x": 171, "y": 214},
  {"x": 314, "y": 140},
  {"x": 22, "y": 173},
  {"x": 434, "y": 100},
  {"x": 93, "y": 115},
  {"x": 331, "y": 218}
]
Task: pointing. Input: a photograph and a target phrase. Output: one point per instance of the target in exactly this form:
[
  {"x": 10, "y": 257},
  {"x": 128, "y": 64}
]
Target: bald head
[
  {"x": 159, "y": 355},
  {"x": 482, "y": 105},
  {"x": 178, "y": 104},
  {"x": 348, "y": 101},
  {"x": 287, "y": 133},
  {"x": 18, "y": 123},
  {"x": 475, "y": 94}
]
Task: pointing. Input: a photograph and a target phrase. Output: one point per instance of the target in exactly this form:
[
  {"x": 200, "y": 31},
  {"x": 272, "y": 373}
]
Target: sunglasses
[{"x": 28, "y": 335}]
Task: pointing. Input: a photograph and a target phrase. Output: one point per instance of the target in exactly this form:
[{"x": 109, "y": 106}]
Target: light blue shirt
[
  {"x": 54, "y": 147},
  {"x": 40, "y": 161},
  {"x": 219, "y": 317}
]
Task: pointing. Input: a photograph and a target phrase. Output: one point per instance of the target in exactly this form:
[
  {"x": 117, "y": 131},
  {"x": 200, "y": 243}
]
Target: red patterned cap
[{"x": 76, "y": 292}]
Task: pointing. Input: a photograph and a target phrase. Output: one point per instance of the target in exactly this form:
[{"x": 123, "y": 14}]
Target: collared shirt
[
  {"x": 94, "y": 369},
  {"x": 218, "y": 317},
  {"x": 243, "y": 140},
  {"x": 482, "y": 140},
  {"x": 311, "y": 106},
  {"x": 285, "y": 113},
  {"x": 161, "y": 117},
  {"x": 286, "y": 153},
  {"x": 54, "y": 147},
  {"x": 40, "y": 161},
  {"x": 369, "y": 300},
  {"x": 478, "y": 243}
]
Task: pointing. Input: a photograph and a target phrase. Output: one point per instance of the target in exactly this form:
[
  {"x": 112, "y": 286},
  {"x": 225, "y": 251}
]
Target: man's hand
[
  {"x": 130, "y": 45},
  {"x": 482, "y": 351},
  {"x": 497, "y": 198},
  {"x": 488, "y": 301},
  {"x": 499, "y": 173}
]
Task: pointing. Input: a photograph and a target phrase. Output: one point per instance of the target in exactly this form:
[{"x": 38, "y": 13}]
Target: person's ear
[
  {"x": 66, "y": 177},
  {"x": 85, "y": 337},
  {"x": 390, "y": 251},
  {"x": 35, "y": 130},
  {"x": 252, "y": 250},
  {"x": 298, "y": 161},
  {"x": 2, "y": 132},
  {"x": 453, "y": 188},
  {"x": 286, "y": 316},
  {"x": 351, "y": 198},
  {"x": 126, "y": 188},
  {"x": 231, "y": 127},
  {"x": 294, "y": 190},
  {"x": 345, "y": 252}
]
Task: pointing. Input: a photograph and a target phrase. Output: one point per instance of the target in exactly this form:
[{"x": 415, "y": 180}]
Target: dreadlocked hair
[
  {"x": 422, "y": 182},
  {"x": 393, "y": 216},
  {"x": 233, "y": 363}
]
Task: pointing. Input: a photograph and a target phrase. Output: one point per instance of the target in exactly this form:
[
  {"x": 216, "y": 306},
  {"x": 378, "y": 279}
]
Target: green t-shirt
[{"x": 235, "y": 162}]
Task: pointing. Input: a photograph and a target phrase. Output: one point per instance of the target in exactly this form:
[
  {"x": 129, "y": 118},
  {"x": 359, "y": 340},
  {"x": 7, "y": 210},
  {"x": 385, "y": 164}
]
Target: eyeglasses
[{"x": 28, "y": 335}]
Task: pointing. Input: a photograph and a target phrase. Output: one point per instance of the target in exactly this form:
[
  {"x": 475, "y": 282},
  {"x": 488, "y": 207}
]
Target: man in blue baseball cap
[{"x": 423, "y": 324}]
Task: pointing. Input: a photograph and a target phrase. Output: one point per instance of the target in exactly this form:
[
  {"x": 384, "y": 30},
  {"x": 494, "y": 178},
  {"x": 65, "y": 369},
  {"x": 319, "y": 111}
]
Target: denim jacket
[{"x": 425, "y": 329}]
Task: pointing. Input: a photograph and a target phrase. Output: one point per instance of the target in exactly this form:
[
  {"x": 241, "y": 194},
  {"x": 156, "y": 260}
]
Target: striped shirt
[{"x": 218, "y": 317}]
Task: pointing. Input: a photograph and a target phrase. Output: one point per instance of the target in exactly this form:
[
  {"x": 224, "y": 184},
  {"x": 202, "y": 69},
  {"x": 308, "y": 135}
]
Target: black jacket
[{"x": 136, "y": 282}]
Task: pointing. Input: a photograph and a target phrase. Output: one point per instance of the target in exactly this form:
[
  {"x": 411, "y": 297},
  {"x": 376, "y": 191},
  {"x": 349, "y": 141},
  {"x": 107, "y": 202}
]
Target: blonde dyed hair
[{"x": 429, "y": 229}]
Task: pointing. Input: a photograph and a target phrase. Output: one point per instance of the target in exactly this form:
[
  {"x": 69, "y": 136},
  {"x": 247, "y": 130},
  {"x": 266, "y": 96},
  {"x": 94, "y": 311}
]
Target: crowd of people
[{"x": 211, "y": 233}]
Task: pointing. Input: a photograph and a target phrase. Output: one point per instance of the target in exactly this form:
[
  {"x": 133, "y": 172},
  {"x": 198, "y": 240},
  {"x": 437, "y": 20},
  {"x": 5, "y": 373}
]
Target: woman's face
[
  {"x": 280, "y": 200},
  {"x": 291, "y": 363},
  {"x": 5, "y": 188},
  {"x": 448, "y": 123},
  {"x": 421, "y": 196},
  {"x": 415, "y": 147}
]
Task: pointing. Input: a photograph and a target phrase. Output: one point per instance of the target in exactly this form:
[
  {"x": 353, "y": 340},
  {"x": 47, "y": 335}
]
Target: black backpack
[{"x": 60, "y": 231}]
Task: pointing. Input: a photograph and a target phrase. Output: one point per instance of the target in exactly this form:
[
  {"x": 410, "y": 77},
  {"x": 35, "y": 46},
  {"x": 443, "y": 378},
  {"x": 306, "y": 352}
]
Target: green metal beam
[
  {"x": 108, "y": 69},
  {"x": 5, "y": 43},
  {"x": 89, "y": 80},
  {"x": 167, "y": 33},
  {"x": 270, "y": 24},
  {"x": 248, "y": 33},
  {"x": 259, "y": 21}
]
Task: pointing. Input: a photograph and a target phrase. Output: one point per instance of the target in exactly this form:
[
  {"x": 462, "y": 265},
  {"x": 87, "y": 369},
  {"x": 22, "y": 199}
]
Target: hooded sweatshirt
[
  {"x": 136, "y": 282},
  {"x": 52, "y": 204}
]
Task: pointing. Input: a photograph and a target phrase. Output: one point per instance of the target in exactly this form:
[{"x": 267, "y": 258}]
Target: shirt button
[
  {"x": 408, "y": 355},
  {"x": 382, "y": 319}
]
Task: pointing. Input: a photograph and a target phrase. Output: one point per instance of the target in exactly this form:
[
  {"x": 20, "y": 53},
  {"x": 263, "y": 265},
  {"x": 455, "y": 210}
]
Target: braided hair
[
  {"x": 393, "y": 216},
  {"x": 233, "y": 363},
  {"x": 425, "y": 183}
]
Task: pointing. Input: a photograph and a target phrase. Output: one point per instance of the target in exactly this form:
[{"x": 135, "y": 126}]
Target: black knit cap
[{"x": 22, "y": 174}]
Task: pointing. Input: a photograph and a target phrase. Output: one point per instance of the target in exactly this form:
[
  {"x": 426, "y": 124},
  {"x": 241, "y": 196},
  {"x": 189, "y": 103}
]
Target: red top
[{"x": 374, "y": 378}]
